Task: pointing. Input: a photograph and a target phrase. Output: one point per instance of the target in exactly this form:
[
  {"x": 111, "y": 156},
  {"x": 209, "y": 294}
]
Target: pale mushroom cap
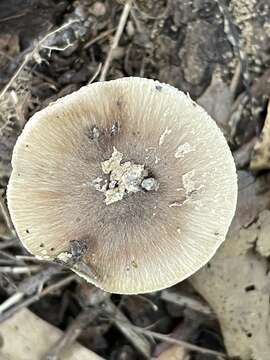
[{"x": 148, "y": 240}]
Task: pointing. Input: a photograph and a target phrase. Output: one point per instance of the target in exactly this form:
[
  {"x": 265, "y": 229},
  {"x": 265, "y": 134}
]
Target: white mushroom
[{"x": 86, "y": 189}]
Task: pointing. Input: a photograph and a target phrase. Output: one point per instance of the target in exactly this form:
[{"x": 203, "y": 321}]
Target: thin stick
[
  {"x": 11, "y": 301},
  {"x": 71, "y": 334},
  {"x": 182, "y": 299},
  {"x": 6, "y": 216},
  {"x": 139, "y": 341},
  {"x": 28, "y": 286},
  {"x": 235, "y": 80},
  {"x": 6, "y": 315},
  {"x": 31, "y": 54},
  {"x": 93, "y": 78},
  {"x": 12, "y": 17},
  {"x": 116, "y": 39},
  {"x": 14, "y": 77},
  {"x": 6, "y": 243},
  {"x": 184, "y": 344},
  {"x": 166, "y": 338},
  {"x": 19, "y": 269},
  {"x": 101, "y": 36}
]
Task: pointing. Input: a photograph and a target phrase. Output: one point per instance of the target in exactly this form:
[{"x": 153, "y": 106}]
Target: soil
[{"x": 187, "y": 44}]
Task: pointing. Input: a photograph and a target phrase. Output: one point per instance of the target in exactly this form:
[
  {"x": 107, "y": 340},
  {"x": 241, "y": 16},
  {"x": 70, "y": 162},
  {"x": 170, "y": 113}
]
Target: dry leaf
[
  {"x": 217, "y": 101},
  {"x": 25, "y": 336},
  {"x": 174, "y": 352},
  {"x": 235, "y": 282}
]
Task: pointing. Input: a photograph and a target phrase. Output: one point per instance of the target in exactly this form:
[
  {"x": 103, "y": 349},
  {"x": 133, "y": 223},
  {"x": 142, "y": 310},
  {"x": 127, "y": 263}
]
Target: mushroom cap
[{"x": 148, "y": 240}]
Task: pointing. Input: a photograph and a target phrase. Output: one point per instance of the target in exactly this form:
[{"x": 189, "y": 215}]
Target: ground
[{"x": 218, "y": 51}]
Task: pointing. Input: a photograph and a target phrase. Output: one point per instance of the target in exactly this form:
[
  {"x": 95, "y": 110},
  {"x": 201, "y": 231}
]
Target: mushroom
[{"x": 127, "y": 182}]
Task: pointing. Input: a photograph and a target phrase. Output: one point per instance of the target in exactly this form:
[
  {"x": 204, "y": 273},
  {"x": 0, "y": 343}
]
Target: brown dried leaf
[
  {"x": 235, "y": 283},
  {"x": 217, "y": 101},
  {"x": 25, "y": 336}
]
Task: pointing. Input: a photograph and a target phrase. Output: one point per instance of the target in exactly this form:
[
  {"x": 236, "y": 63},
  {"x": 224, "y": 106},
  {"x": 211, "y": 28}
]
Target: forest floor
[{"x": 218, "y": 51}]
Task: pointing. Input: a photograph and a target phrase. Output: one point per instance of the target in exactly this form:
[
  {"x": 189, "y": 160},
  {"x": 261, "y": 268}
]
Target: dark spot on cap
[
  {"x": 119, "y": 103},
  {"x": 52, "y": 249},
  {"x": 94, "y": 133},
  {"x": 250, "y": 288},
  {"x": 158, "y": 87},
  {"x": 115, "y": 128},
  {"x": 41, "y": 245},
  {"x": 27, "y": 231},
  {"x": 78, "y": 248}
]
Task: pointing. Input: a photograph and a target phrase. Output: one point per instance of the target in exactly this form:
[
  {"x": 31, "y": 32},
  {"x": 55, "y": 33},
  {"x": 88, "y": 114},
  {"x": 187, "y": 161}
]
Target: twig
[
  {"x": 116, "y": 39},
  {"x": 93, "y": 78},
  {"x": 11, "y": 301},
  {"x": 6, "y": 315},
  {"x": 71, "y": 335},
  {"x": 29, "y": 258},
  {"x": 6, "y": 243},
  {"x": 184, "y": 344},
  {"x": 2, "y": 53},
  {"x": 31, "y": 55},
  {"x": 6, "y": 262},
  {"x": 12, "y": 17},
  {"x": 10, "y": 257},
  {"x": 29, "y": 286},
  {"x": 6, "y": 216},
  {"x": 148, "y": 301},
  {"x": 235, "y": 80},
  {"x": 101, "y": 36},
  {"x": 139, "y": 341},
  {"x": 14, "y": 77},
  {"x": 177, "y": 298},
  {"x": 19, "y": 269}
]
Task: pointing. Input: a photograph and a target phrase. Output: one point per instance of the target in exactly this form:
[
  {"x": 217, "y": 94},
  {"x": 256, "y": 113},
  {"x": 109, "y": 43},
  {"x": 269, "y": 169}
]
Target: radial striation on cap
[{"x": 128, "y": 182}]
